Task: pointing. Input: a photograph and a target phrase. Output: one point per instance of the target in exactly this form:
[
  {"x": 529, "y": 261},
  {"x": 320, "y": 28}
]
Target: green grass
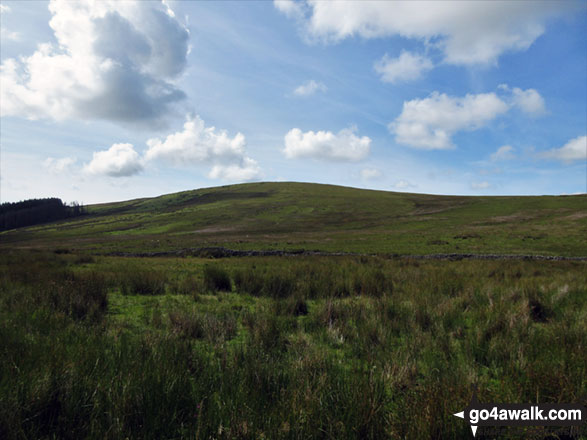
[
  {"x": 321, "y": 217},
  {"x": 94, "y": 345},
  {"x": 297, "y": 347}
]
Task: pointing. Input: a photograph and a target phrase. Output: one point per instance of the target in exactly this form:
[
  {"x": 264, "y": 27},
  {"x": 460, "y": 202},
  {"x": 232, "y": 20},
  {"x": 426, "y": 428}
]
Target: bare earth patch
[
  {"x": 576, "y": 216},
  {"x": 212, "y": 230},
  {"x": 508, "y": 218}
]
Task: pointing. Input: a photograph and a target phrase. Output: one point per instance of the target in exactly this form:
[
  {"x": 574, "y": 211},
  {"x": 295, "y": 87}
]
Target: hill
[{"x": 320, "y": 217}]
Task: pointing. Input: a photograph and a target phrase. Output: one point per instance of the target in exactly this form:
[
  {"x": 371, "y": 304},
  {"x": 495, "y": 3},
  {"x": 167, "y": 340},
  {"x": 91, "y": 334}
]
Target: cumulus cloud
[
  {"x": 197, "y": 144},
  {"x": 430, "y": 123},
  {"x": 466, "y": 32},
  {"x": 120, "y": 160},
  {"x": 59, "y": 166},
  {"x": 403, "y": 184},
  {"x": 309, "y": 88},
  {"x": 5, "y": 34},
  {"x": 529, "y": 101},
  {"x": 113, "y": 60},
  {"x": 290, "y": 8},
  {"x": 575, "y": 149},
  {"x": 247, "y": 170},
  {"x": 370, "y": 173},
  {"x": 407, "y": 67},
  {"x": 480, "y": 185},
  {"x": 505, "y": 152},
  {"x": 344, "y": 145}
]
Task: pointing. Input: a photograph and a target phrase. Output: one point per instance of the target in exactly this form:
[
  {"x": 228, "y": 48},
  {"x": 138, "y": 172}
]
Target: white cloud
[
  {"x": 575, "y": 149},
  {"x": 113, "y": 60},
  {"x": 309, "y": 88},
  {"x": 344, "y": 146},
  {"x": 290, "y": 8},
  {"x": 466, "y": 32},
  {"x": 529, "y": 101},
  {"x": 197, "y": 144},
  {"x": 5, "y": 34},
  {"x": 245, "y": 171},
  {"x": 429, "y": 123},
  {"x": 504, "y": 152},
  {"x": 120, "y": 160},
  {"x": 480, "y": 185},
  {"x": 403, "y": 184},
  {"x": 406, "y": 67},
  {"x": 370, "y": 173},
  {"x": 59, "y": 166}
]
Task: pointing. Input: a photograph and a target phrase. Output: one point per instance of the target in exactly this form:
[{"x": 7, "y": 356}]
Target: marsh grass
[
  {"x": 142, "y": 282},
  {"x": 217, "y": 278},
  {"x": 188, "y": 285},
  {"x": 307, "y": 347},
  {"x": 197, "y": 325},
  {"x": 314, "y": 278}
]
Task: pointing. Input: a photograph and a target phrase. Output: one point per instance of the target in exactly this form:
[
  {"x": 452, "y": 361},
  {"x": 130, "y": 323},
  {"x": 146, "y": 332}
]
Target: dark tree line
[{"x": 35, "y": 211}]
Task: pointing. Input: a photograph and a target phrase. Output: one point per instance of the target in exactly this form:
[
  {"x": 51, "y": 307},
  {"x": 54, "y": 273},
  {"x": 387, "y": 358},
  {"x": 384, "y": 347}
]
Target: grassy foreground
[
  {"x": 307, "y": 347},
  {"x": 320, "y": 217}
]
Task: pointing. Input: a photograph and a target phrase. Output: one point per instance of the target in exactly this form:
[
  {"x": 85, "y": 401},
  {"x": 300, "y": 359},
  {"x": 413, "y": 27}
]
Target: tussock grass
[
  {"x": 308, "y": 347},
  {"x": 305, "y": 278},
  {"x": 216, "y": 278},
  {"x": 202, "y": 326},
  {"x": 142, "y": 282},
  {"x": 188, "y": 285}
]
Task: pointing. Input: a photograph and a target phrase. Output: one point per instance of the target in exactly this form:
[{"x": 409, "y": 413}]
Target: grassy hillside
[
  {"x": 321, "y": 217},
  {"x": 346, "y": 347}
]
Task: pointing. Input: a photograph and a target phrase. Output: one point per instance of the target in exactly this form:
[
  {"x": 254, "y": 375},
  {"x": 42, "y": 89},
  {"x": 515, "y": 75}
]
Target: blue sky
[{"x": 110, "y": 100}]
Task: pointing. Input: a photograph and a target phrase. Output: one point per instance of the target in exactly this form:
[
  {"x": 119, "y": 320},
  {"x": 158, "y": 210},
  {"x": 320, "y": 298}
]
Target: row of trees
[{"x": 35, "y": 211}]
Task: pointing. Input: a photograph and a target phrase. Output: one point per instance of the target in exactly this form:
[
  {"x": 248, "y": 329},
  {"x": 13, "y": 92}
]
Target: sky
[{"x": 112, "y": 100}]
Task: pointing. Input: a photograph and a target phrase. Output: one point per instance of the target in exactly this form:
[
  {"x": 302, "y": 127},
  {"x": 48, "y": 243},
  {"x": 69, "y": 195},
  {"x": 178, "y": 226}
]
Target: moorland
[{"x": 107, "y": 332}]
